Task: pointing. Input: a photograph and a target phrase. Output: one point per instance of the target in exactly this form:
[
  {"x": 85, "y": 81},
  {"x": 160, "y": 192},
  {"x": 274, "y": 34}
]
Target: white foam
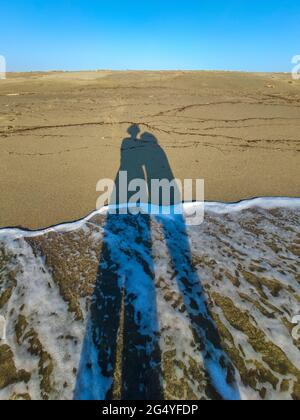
[
  {"x": 2, "y": 329},
  {"x": 226, "y": 249},
  {"x": 266, "y": 203}
]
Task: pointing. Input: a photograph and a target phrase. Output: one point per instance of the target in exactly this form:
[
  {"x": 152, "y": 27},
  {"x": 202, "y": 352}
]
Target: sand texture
[{"x": 61, "y": 132}]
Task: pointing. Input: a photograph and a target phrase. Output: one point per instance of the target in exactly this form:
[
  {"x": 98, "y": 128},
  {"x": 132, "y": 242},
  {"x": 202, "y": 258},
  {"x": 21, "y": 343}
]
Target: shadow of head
[
  {"x": 134, "y": 131},
  {"x": 149, "y": 138}
]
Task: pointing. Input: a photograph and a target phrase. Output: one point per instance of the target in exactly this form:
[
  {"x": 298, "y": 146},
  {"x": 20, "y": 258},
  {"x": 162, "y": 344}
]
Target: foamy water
[{"x": 239, "y": 269}]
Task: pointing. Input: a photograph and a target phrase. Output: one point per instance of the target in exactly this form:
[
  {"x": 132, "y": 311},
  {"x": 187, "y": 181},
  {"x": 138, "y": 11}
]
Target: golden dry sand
[{"x": 61, "y": 132}]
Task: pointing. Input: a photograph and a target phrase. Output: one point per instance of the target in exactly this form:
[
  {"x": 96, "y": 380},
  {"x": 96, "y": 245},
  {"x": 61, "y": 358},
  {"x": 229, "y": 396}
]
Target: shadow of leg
[
  {"x": 141, "y": 354},
  {"x": 220, "y": 371},
  {"x": 121, "y": 357},
  {"x": 95, "y": 379}
]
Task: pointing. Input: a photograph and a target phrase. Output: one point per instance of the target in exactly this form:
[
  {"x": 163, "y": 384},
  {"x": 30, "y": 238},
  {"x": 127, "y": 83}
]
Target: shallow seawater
[{"x": 122, "y": 306}]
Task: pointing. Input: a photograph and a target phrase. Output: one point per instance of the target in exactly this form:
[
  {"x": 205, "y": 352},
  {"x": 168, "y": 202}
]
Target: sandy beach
[{"x": 61, "y": 132}]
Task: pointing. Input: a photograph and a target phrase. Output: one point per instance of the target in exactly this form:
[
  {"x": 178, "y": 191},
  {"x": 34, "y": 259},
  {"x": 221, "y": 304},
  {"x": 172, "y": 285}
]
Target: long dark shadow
[
  {"x": 122, "y": 334},
  {"x": 121, "y": 358},
  {"x": 220, "y": 372}
]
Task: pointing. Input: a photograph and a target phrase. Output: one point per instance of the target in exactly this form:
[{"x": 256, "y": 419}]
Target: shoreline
[{"x": 265, "y": 203}]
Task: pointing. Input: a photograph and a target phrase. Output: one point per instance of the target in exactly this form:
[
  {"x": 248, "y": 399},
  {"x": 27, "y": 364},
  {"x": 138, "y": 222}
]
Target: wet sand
[{"x": 61, "y": 132}]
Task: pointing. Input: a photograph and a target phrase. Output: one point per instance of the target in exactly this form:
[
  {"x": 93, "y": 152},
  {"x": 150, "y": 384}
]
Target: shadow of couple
[{"x": 121, "y": 355}]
